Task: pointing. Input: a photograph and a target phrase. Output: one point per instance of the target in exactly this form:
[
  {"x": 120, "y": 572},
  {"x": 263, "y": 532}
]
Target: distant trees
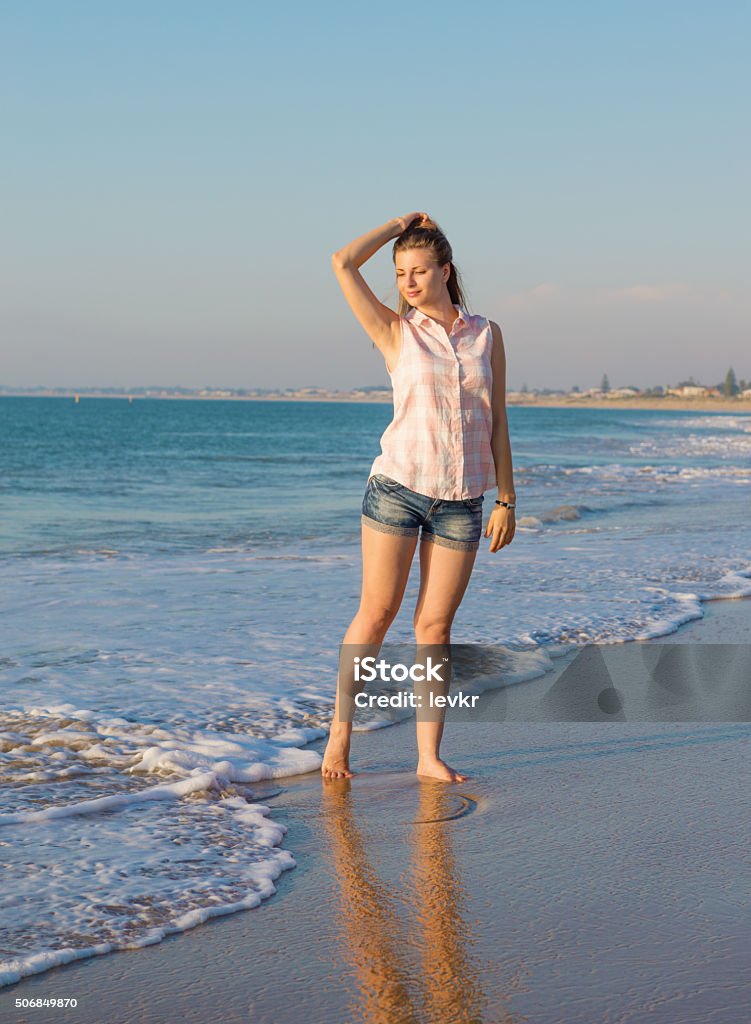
[{"x": 730, "y": 387}]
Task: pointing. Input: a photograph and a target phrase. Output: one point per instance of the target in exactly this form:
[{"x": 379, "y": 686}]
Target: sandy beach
[
  {"x": 669, "y": 403},
  {"x": 736, "y": 405},
  {"x": 585, "y": 872}
]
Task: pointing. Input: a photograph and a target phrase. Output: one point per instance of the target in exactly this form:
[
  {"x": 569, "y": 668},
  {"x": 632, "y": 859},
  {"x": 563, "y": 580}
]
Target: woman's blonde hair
[{"x": 424, "y": 233}]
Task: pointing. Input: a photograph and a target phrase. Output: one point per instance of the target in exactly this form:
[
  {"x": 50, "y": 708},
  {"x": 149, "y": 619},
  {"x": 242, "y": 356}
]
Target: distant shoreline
[{"x": 670, "y": 402}]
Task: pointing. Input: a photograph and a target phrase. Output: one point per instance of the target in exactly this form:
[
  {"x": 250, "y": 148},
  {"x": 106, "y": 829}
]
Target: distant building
[{"x": 689, "y": 391}]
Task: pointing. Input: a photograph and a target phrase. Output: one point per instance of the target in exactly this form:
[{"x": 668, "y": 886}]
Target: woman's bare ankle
[{"x": 336, "y": 756}]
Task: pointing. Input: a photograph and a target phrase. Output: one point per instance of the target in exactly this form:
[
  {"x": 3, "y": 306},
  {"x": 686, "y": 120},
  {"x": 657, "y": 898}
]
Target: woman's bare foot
[
  {"x": 336, "y": 756},
  {"x": 435, "y": 768}
]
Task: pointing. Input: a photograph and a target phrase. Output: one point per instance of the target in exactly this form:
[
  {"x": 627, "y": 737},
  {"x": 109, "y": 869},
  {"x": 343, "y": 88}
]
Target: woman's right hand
[{"x": 404, "y": 222}]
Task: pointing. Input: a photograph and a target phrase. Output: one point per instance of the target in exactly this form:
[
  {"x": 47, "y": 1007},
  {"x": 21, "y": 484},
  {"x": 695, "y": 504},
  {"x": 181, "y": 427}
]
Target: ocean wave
[{"x": 126, "y": 862}]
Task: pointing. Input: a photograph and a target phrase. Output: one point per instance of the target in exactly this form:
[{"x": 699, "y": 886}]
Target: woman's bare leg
[
  {"x": 444, "y": 575},
  {"x": 386, "y": 560}
]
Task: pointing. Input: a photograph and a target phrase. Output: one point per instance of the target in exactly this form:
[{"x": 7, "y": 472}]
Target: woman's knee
[
  {"x": 432, "y": 630},
  {"x": 376, "y": 617}
]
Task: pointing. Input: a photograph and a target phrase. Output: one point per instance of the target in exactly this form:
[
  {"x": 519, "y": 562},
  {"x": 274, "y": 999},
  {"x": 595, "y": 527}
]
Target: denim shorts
[{"x": 391, "y": 507}]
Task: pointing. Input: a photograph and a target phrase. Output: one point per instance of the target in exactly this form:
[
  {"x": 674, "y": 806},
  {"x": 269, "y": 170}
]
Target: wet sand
[{"x": 586, "y": 872}]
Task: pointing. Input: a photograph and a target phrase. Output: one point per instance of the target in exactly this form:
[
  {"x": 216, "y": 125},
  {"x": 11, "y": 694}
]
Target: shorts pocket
[
  {"x": 475, "y": 504},
  {"x": 386, "y": 482}
]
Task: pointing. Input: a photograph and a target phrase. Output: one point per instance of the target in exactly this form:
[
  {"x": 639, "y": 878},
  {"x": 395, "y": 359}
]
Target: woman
[{"x": 447, "y": 444}]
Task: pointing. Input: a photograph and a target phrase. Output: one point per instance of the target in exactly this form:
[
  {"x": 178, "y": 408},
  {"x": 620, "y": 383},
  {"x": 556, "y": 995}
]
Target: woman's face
[{"x": 419, "y": 278}]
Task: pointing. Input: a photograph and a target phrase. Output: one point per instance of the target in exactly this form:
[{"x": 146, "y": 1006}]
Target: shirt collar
[{"x": 415, "y": 314}]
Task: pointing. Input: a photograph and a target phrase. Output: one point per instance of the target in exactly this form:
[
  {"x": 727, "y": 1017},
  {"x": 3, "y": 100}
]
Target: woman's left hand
[{"x": 502, "y": 526}]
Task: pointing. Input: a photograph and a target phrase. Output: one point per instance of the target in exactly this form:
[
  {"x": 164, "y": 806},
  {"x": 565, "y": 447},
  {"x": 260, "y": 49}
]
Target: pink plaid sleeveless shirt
[{"x": 438, "y": 442}]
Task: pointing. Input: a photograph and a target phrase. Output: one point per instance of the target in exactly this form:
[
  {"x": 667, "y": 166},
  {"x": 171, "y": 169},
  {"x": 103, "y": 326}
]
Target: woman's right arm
[{"x": 376, "y": 319}]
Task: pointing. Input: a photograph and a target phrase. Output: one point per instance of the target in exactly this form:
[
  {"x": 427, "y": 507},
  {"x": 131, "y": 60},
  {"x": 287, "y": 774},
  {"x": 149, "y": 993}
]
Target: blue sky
[{"x": 176, "y": 176}]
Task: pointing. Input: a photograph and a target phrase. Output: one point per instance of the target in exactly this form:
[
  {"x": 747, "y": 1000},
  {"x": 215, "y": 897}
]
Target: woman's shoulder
[
  {"x": 479, "y": 322},
  {"x": 470, "y": 316},
  {"x": 484, "y": 321}
]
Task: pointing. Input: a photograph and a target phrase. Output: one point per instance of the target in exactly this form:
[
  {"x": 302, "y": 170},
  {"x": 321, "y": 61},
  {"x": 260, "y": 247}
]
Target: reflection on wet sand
[
  {"x": 451, "y": 981},
  {"x": 410, "y": 943}
]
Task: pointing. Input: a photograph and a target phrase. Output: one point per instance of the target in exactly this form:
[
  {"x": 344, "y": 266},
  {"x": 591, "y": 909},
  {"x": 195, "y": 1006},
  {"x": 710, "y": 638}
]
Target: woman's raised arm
[{"x": 375, "y": 318}]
